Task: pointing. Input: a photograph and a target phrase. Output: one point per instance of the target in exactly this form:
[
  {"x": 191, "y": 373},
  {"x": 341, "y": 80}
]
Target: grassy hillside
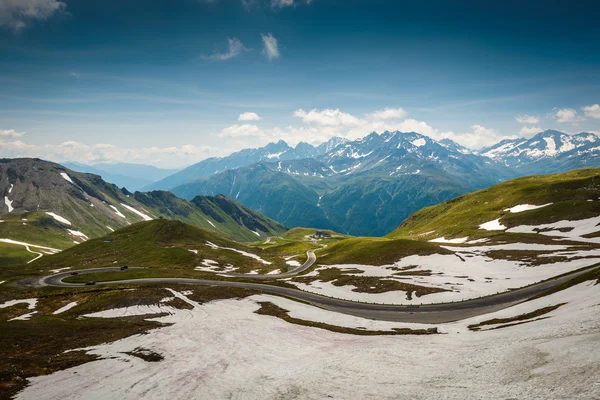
[
  {"x": 574, "y": 195},
  {"x": 64, "y": 207},
  {"x": 172, "y": 248}
]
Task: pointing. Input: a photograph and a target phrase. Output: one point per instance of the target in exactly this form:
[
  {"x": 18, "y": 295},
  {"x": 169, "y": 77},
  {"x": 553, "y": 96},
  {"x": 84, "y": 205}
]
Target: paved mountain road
[{"x": 429, "y": 313}]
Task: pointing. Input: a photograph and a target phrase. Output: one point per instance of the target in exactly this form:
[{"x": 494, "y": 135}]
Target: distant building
[{"x": 321, "y": 235}]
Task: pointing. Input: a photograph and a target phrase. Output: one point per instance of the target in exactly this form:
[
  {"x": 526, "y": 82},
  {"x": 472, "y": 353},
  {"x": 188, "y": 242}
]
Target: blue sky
[{"x": 166, "y": 81}]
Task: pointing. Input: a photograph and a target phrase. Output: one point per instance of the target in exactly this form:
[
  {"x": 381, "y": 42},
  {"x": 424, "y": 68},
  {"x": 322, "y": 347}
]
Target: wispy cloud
[
  {"x": 389, "y": 113},
  {"x": 10, "y": 133},
  {"x": 241, "y": 131},
  {"x": 270, "y": 46},
  {"x": 287, "y": 3},
  {"x": 173, "y": 156},
  {"x": 18, "y": 14},
  {"x": 235, "y": 48},
  {"x": 530, "y": 130},
  {"x": 527, "y": 119}
]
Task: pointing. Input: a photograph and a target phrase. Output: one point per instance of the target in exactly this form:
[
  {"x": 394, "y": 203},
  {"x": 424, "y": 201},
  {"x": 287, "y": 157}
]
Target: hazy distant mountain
[
  {"x": 131, "y": 176},
  {"x": 272, "y": 152}
]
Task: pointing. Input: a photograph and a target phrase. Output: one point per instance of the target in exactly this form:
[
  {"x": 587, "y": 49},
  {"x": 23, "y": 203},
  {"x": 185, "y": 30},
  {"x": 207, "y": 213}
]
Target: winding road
[
  {"x": 429, "y": 313},
  {"x": 310, "y": 260}
]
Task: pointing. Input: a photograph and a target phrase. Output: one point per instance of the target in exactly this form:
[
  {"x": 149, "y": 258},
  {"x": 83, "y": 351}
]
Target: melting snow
[
  {"x": 59, "y": 218},
  {"x": 141, "y": 214},
  {"x": 525, "y": 207},
  {"x": 215, "y": 247},
  {"x": 240, "y": 346},
  {"x": 494, "y": 225},
  {"x": 65, "y": 308},
  {"x": 213, "y": 225},
  {"x": 67, "y": 177},
  {"x": 453, "y": 241},
  {"x": 118, "y": 212},
  {"x": 8, "y": 204},
  {"x": 579, "y": 228},
  {"x": 31, "y": 303},
  {"x": 78, "y": 234}
]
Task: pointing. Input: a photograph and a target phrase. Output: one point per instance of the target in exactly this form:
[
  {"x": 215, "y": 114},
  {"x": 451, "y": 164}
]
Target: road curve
[
  {"x": 428, "y": 314},
  {"x": 310, "y": 260}
]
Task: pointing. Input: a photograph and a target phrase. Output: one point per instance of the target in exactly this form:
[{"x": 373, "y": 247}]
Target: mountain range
[
  {"x": 57, "y": 206},
  {"x": 369, "y": 185}
]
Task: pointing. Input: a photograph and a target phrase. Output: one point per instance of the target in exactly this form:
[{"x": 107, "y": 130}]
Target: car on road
[
  {"x": 124, "y": 267},
  {"x": 74, "y": 273},
  {"x": 90, "y": 283}
]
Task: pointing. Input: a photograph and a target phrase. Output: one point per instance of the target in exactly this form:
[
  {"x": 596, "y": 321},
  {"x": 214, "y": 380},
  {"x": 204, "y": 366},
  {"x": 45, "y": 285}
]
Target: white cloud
[
  {"x": 327, "y": 117},
  {"x": 286, "y": 3},
  {"x": 478, "y": 138},
  {"x": 388, "y": 113},
  {"x": 241, "y": 131},
  {"x": 527, "y": 119},
  {"x": 248, "y": 116},
  {"x": 328, "y": 123},
  {"x": 592, "y": 111},
  {"x": 271, "y": 48},
  {"x": 18, "y": 14},
  {"x": 10, "y": 133},
  {"x": 172, "y": 156},
  {"x": 566, "y": 115},
  {"x": 282, "y": 3},
  {"x": 530, "y": 130},
  {"x": 235, "y": 48}
]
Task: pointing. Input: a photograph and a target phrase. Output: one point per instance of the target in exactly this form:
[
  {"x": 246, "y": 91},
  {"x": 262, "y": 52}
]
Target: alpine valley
[{"x": 366, "y": 186}]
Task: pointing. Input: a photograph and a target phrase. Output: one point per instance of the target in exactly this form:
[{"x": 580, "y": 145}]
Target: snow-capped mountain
[
  {"x": 272, "y": 152},
  {"x": 548, "y": 151},
  {"x": 367, "y": 186}
]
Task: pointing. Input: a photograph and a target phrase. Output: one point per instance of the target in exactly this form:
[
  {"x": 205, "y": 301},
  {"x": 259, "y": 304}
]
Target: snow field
[{"x": 552, "y": 358}]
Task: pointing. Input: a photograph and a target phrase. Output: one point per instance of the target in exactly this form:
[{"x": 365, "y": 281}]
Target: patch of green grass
[
  {"x": 268, "y": 308},
  {"x": 569, "y": 192},
  {"x": 12, "y": 255},
  {"x": 376, "y": 251},
  {"x": 302, "y": 233},
  {"x": 154, "y": 244},
  {"x": 39, "y": 228}
]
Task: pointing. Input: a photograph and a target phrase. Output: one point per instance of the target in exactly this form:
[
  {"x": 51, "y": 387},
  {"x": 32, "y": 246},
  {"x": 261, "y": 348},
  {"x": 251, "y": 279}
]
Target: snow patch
[
  {"x": 118, "y": 212},
  {"x": 525, "y": 207},
  {"x": 8, "y": 204},
  {"x": 213, "y": 225},
  {"x": 66, "y": 177},
  {"x": 65, "y": 308},
  {"x": 453, "y": 241},
  {"x": 78, "y": 234},
  {"x": 141, "y": 214},
  {"x": 215, "y": 247},
  {"x": 494, "y": 225}
]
